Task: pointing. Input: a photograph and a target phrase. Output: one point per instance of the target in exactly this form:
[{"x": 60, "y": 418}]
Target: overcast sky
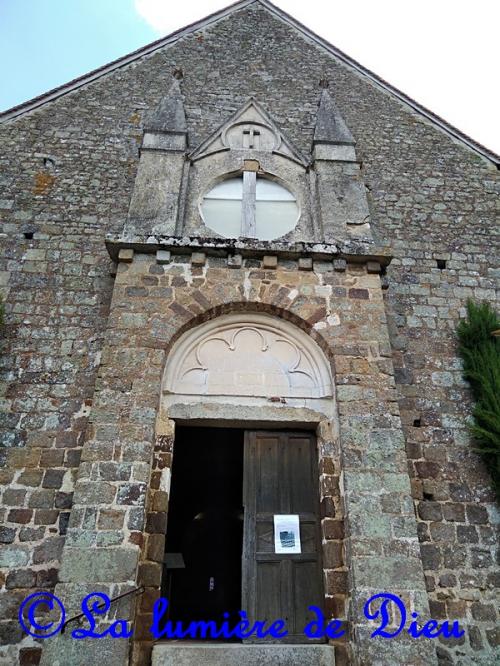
[{"x": 443, "y": 53}]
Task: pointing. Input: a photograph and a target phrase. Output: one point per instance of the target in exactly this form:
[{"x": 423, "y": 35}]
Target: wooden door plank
[{"x": 281, "y": 477}]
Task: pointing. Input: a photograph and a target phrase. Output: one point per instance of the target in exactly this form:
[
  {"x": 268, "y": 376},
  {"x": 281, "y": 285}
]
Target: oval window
[{"x": 250, "y": 207}]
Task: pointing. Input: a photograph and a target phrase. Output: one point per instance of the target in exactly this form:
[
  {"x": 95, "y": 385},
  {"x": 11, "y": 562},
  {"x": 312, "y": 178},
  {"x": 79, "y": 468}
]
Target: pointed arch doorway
[{"x": 246, "y": 392}]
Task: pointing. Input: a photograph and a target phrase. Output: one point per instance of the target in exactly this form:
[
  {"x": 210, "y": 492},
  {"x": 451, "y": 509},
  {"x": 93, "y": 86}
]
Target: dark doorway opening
[{"x": 202, "y": 568}]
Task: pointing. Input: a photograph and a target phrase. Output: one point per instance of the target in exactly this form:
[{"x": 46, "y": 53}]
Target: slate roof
[{"x": 66, "y": 88}]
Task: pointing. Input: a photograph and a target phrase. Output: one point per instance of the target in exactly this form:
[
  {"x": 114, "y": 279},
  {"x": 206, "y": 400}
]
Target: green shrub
[{"x": 480, "y": 352}]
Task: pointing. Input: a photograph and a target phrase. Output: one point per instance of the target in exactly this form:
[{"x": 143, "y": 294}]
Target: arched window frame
[
  {"x": 249, "y": 136},
  {"x": 250, "y": 172}
]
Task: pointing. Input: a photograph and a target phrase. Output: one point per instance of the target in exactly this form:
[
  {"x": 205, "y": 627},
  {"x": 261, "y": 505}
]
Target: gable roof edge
[
  {"x": 442, "y": 124},
  {"x": 80, "y": 81},
  {"x": 122, "y": 61}
]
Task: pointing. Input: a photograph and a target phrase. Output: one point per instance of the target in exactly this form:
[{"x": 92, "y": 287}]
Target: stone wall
[
  {"x": 456, "y": 509},
  {"x": 66, "y": 177},
  {"x": 119, "y": 513}
]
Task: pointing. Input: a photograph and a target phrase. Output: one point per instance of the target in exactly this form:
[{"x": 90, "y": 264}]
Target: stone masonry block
[
  {"x": 305, "y": 264},
  {"x": 339, "y": 265},
  {"x": 235, "y": 261},
  {"x": 270, "y": 262},
  {"x": 98, "y": 565},
  {"x": 198, "y": 258},
  {"x": 162, "y": 257},
  {"x": 373, "y": 267},
  {"x": 126, "y": 256}
]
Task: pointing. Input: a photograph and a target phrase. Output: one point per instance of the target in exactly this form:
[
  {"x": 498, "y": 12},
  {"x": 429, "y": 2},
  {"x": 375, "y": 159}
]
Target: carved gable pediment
[{"x": 250, "y": 128}]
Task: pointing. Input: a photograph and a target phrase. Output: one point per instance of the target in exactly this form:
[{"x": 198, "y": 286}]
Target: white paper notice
[{"x": 286, "y": 534}]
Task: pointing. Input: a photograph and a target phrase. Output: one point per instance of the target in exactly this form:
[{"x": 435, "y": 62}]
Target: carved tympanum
[
  {"x": 251, "y": 136},
  {"x": 248, "y": 355}
]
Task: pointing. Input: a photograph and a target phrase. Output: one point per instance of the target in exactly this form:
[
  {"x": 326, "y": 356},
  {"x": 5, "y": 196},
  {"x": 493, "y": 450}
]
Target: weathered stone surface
[
  {"x": 7, "y": 534},
  {"x": 20, "y": 578},
  {"x": 99, "y": 565},
  {"x": 270, "y": 261},
  {"x": 13, "y": 556},
  {"x": 169, "y": 116},
  {"x": 330, "y": 126},
  {"x": 431, "y": 198},
  {"x": 162, "y": 256},
  {"x": 126, "y": 256},
  {"x": 67, "y": 651},
  {"x": 248, "y": 655}
]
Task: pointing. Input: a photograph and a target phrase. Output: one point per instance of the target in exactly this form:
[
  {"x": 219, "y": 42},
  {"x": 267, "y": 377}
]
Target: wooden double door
[
  {"x": 219, "y": 558},
  {"x": 280, "y": 477}
]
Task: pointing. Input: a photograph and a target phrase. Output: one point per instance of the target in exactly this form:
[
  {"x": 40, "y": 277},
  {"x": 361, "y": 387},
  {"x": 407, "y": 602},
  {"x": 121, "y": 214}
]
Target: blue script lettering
[
  {"x": 209, "y": 629},
  {"x": 383, "y": 614},
  {"x": 431, "y": 629},
  {"x": 100, "y": 606},
  {"x": 316, "y": 628},
  {"x": 244, "y": 629},
  {"x": 200, "y": 629}
]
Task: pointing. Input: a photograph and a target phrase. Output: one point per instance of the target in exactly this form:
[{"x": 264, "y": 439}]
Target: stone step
[{"x": 235, "y": 654}]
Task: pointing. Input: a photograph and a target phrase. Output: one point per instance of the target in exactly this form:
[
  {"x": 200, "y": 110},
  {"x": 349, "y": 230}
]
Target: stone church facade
[{"x": 232, "y": 264}]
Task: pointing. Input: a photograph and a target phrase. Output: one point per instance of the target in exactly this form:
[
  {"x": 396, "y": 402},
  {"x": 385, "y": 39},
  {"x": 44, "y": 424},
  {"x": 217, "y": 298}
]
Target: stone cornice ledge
[{"x": 354, "y": 251}]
